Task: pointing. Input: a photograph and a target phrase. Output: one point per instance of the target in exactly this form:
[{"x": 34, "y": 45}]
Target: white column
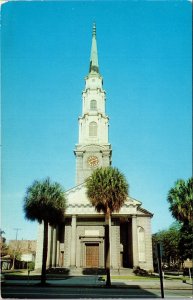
[
  {"x": 58, "y": 253},
  {"x": 54, "y": 248},
  {"x": 39, "y": 246},
  {"x": 135, "y": 241},
  {"x": 49, "y": 245},
  {"x": 57, "y": 246},
  {"x": 73, "y": 241},
  {"x": 110, "y": 241}
]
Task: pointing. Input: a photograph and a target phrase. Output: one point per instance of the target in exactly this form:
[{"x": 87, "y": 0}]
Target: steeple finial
[{"x": 94, "y": 55}]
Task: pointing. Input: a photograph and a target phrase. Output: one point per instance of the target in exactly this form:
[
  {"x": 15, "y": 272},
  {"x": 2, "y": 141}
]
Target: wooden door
[{"x": 92, "y": 255}]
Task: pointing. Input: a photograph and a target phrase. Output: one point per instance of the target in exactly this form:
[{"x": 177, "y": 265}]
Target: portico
[{"x": 79, "y": 242}]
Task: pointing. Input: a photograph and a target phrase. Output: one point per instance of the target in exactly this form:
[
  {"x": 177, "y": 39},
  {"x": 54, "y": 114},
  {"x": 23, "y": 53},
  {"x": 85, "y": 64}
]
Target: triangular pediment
[
  {"x": 142, "y": 211},
  {"x": 78, "y": 203}
]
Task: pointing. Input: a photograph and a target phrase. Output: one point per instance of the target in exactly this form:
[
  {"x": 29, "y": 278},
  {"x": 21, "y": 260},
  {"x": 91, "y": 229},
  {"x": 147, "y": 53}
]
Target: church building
[{"x": 79, "y": 241}]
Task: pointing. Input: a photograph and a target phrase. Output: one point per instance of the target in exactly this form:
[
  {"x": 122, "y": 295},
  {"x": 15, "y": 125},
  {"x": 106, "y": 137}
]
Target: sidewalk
[
  {"x": 155, "y": 284},
  {"x": 94, "y": 281}
]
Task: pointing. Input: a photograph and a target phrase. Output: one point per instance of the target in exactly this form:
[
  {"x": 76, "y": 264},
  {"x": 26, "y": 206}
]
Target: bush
[
  {"x": 150, "y": 272},
  {"x": 140, "y": 272},
  {"x": 31, "y": 265},
  {"x": 186, "y": 272}
]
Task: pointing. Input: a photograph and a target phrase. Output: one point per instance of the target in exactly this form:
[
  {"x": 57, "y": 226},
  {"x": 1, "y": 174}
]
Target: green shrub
[
  {"x": 31, "y": 265},
  {"x": 140, "y": 272}
]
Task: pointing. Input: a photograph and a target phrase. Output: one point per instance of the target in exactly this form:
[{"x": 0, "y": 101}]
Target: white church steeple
[
  {"x": 94, "y": 66},
  {"x": 93, "y": 149}
]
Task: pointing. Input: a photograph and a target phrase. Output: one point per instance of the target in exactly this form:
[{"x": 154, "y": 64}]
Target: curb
[{"x": 114, "y": 286}]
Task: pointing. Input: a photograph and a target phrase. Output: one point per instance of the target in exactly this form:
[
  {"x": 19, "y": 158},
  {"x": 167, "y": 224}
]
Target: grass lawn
[
  {"x": 127, "y": 277},
  {"x": 22, "y": 274},
  {"x": 136, "y": 278}
]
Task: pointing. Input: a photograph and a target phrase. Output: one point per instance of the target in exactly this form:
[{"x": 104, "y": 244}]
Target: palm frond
[
  {"x": 45, "y": 200},
  {"x": 107, "y": 189}
]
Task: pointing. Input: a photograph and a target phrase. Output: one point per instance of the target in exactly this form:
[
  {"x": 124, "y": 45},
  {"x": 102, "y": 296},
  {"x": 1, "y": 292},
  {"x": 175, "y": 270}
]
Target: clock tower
[{"x": 93, "y": 149}]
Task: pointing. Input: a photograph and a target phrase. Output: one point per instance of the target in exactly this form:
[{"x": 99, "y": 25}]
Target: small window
[
  {"x": 93, "y": 129},
  {"x": 93, "y": 105}
]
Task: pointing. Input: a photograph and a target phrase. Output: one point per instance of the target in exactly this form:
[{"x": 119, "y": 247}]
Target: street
[
  {"x": 76, "y": 287},
  {"x": 51, "y": 291}
]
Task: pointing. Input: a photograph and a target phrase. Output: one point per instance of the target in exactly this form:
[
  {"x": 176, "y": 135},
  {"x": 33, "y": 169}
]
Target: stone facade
[
  {"x": 80, "y": 241},
  {"x": 83, "y": 227}
]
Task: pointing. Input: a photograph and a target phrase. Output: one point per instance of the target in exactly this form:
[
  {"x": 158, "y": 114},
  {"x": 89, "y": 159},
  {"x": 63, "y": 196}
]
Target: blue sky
[{"x": 145, "y": 57}]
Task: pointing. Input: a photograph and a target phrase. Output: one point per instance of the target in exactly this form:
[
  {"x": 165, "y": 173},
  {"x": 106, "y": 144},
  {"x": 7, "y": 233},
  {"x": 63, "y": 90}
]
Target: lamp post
[{"x": 160, "y": 269}]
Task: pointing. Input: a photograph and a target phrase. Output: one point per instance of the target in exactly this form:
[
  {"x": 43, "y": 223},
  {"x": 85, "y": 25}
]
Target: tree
[
  {"x": 3, "y": 239},
  {"x": 107, "y": 190},
  {"x": 169, "y": 240},
  {"x": 186, "y": 242},
  {"x": 45, "y": 202},
  {"x": 176, "y": 244},
  {"x": 180, "y": 198},
  {"x": 3, "y": 245}
]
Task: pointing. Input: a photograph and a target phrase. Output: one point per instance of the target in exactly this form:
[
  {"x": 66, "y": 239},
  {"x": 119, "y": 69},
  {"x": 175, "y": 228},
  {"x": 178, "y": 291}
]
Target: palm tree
[
  {"x": 180, "y": 198},
  {"x": 45, "y": 202},
  {"x": 107, "y": 190}
]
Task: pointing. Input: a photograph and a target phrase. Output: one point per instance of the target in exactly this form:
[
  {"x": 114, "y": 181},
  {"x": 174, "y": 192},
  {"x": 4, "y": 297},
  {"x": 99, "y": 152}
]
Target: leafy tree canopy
[
  {"x": 169, "y": 240},
  {"x": 2, "y": 238},
  {"x": 3, "y": 245},
  {"x": 176, "y": 243},
  {"x": 186, "y": 242}
]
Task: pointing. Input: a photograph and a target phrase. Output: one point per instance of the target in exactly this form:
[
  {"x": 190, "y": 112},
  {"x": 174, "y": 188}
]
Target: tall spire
[{"x": 94, "y": 66}]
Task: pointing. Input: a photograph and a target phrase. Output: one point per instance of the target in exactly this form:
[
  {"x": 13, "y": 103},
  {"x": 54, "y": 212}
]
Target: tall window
[
  {"x": 141, "y": 243},
  {"x": 93, "y": 129},
  {"x": 93, "y": 105}
]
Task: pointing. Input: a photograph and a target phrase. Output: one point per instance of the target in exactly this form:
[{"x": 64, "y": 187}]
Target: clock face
[{"x": 93, "y": 161}]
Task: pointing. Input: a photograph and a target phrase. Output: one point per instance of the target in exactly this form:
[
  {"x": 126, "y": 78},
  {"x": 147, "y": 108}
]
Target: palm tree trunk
[
  {"x": 44, "y": 253},
  {"x": 107, "y": 249}
]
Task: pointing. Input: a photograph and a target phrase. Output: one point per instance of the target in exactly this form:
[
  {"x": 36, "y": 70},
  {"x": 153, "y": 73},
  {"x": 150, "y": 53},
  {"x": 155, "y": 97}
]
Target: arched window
[
  {"x": 93, "y": 129},
  {"x": 93, "y": 105},
  {"x": 141, "y": 243}
]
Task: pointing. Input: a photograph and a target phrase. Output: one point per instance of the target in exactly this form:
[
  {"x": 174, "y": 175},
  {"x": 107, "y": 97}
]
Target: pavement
[{"x": 96, "y": 281}]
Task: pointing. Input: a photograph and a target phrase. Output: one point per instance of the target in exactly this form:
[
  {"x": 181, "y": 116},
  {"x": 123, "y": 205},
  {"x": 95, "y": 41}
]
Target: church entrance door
[{"x": 92, "y": 255}]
